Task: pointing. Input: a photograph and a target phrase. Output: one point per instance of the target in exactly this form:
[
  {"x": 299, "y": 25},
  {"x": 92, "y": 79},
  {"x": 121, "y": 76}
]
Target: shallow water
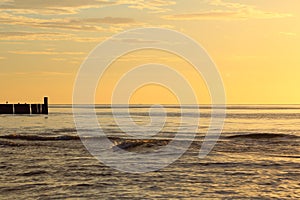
[{"x": 257, "y": 156}]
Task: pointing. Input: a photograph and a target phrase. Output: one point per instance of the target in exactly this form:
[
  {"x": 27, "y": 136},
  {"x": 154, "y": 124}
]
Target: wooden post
[
  {"x": 39, "y": 108},
  {"x": 34, "y": 109},
  {"x": 45, "y": 106}
]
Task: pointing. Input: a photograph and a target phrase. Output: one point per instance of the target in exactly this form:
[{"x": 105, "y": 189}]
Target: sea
[{"x": 257, "y": 155}]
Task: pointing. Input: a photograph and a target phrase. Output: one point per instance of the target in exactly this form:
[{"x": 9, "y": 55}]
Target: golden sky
[{"x": 254, "y": 43}]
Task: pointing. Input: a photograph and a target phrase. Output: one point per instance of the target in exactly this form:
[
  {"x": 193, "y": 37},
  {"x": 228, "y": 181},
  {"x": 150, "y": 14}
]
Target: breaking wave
[{"x": 129, "y": 144}]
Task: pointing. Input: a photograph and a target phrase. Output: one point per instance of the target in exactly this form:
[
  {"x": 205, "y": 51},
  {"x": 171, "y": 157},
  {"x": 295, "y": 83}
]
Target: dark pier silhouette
[
  {"x": 6, "y": 108},
  {"x": 22, "y": 109},
  {"x": 25, "y": 108}
]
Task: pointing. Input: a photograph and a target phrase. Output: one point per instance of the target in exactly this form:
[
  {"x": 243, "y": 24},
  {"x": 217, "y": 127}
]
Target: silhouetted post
[
  {"x": 45, "y": 106},
  {"x": 34, "y": 109},
  {"x": 40, "y": 108}
]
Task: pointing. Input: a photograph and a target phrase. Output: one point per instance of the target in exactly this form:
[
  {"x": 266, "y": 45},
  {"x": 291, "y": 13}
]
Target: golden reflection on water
[{"x": 261, "y": 162}]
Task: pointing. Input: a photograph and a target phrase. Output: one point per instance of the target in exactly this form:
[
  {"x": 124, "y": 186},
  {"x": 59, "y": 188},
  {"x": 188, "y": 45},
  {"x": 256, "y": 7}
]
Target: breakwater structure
[{"x": 25, "y": 109}]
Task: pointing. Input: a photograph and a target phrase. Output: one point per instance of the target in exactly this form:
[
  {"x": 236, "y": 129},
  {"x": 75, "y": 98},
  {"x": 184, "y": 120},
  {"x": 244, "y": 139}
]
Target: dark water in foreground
[{"x": 257, "y": 157}]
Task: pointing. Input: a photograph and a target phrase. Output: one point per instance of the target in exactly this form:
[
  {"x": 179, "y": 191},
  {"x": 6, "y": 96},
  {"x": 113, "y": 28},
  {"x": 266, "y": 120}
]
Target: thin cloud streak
[
  {"x": 85, "y": 24},
  {"x": 63, "y": 7},
  {"x": 289, "y": 34},
  {"x": 45, "y": 53},
  {"x": 228, "y": 11},
  {"x": 157, "y": 6},
  {"x": 21, "y": 35},
  {"x": 11, "y": 37},
  {"x": 227, "y": 15}
]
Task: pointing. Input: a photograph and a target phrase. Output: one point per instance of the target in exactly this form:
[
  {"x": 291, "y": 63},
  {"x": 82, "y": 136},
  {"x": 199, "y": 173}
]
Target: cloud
[
  {"x": 6, "y": 2},
  {"x": 135, "y": 41},
  {"x": 229, "y": 5},
  {"x": 43, "y": 73},
  {"x": 288, "y": 34},
  {"x": 228, "y": 11},
  {"x": 71, "y": 60},
  {"x": 105, "y": 20},
  {"x": 156, "y": 6},
  {"x": 2, "y": 58},
  {"x": 31, "y": 15},
  {"x": 52, "y": 6},
  {"x": 63, "y": 7},
  {"x": 12, "y": 37},
  {"x": 20, "y": 35},
  {"x": 45, "y": 53},
  {"x": 227, "y": 15},
  {"x": 202, "y": 15},
  {"x": 74, "y": 24}
]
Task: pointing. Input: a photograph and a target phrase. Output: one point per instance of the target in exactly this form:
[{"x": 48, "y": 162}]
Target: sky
[{"x": 254, "y": 44}]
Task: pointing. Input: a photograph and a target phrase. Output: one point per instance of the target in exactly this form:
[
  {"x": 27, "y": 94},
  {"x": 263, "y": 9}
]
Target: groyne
[{"x": 21, "y": 109}]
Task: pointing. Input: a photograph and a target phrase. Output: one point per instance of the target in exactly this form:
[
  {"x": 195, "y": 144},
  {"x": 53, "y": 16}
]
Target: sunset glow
[{"x": 255, "y": 45}]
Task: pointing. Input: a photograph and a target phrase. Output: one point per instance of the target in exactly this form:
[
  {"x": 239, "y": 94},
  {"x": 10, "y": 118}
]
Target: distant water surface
[{"x": 257, "y": 156}]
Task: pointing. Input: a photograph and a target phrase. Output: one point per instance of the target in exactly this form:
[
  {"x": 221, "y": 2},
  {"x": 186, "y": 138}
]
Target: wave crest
[{"x": 131, "y": 144}]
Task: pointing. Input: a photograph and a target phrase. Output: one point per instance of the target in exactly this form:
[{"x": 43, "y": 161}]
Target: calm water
[{"x": 257, "y": 156}]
